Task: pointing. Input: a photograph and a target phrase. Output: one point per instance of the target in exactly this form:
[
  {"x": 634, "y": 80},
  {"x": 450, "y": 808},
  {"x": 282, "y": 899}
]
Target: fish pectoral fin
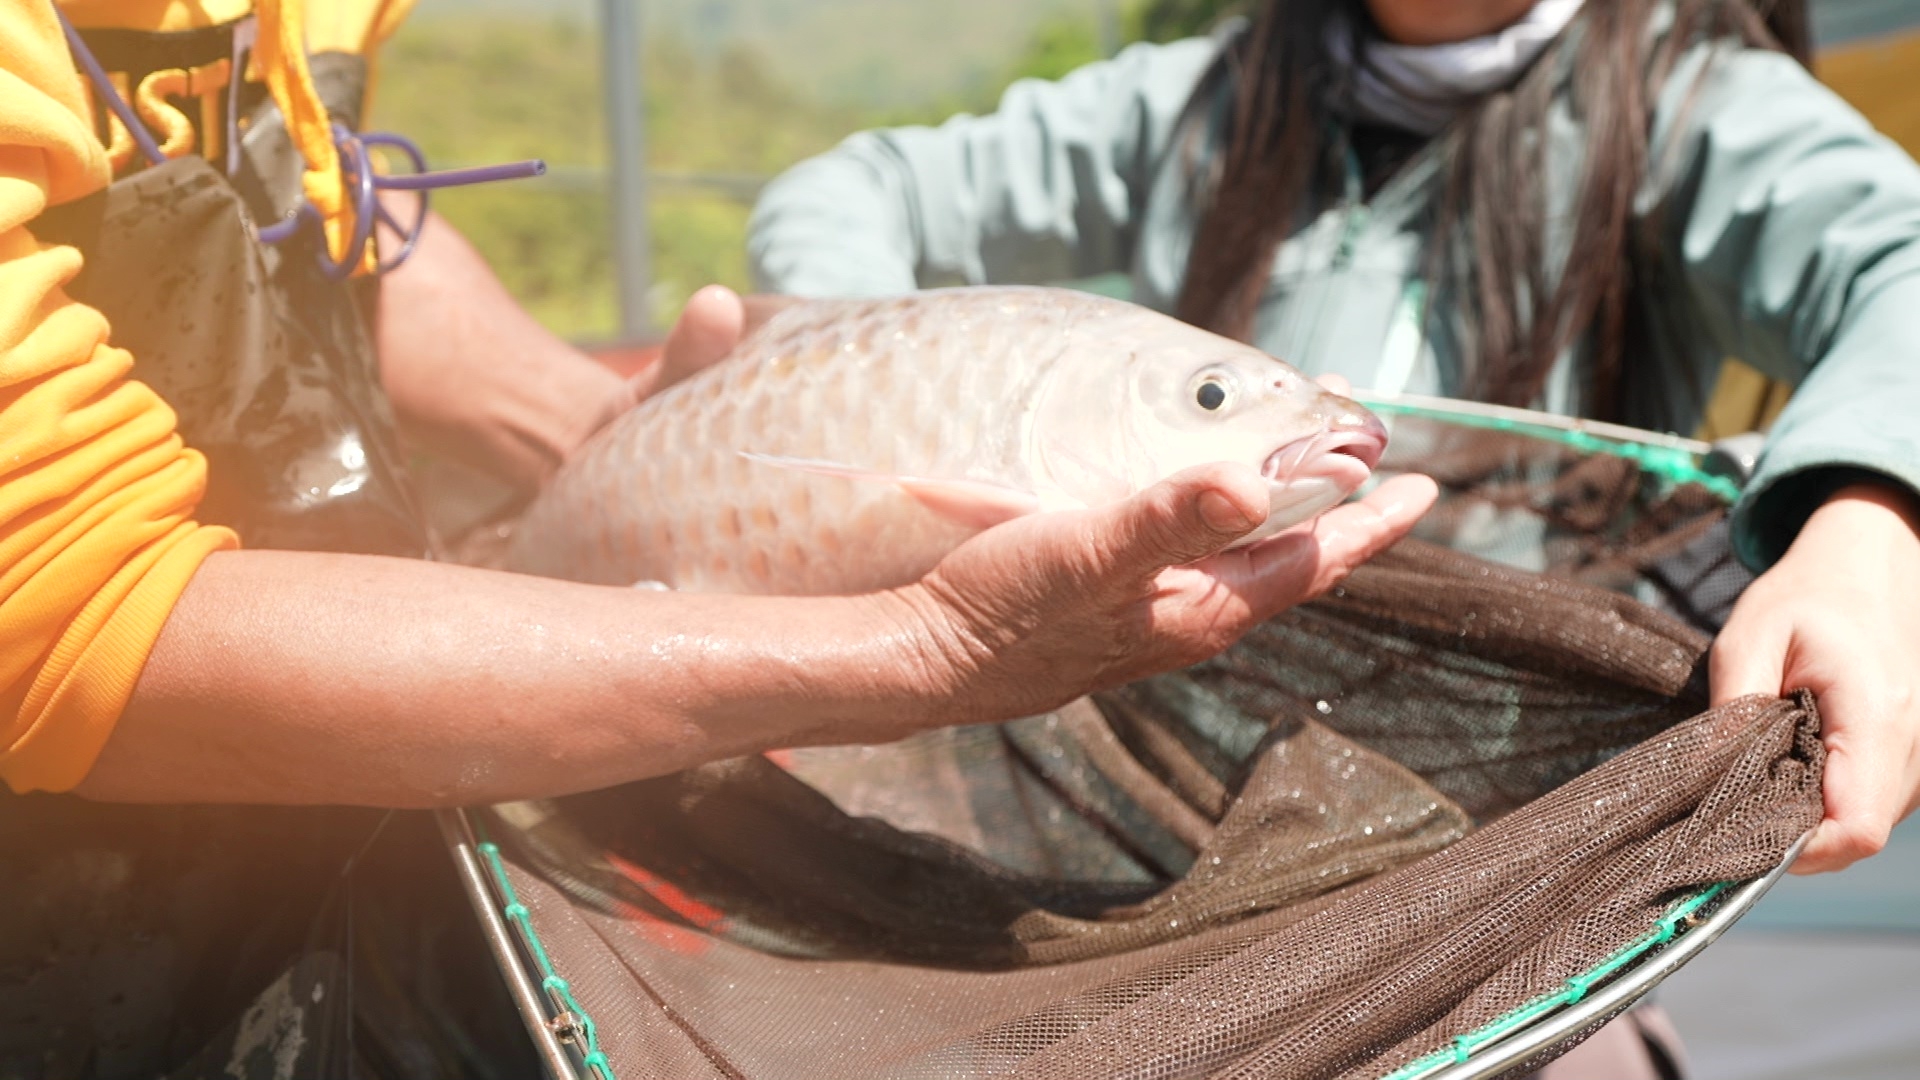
[
  {"x": 972, "y": 503},
  {"x": 976, "y": 504}
]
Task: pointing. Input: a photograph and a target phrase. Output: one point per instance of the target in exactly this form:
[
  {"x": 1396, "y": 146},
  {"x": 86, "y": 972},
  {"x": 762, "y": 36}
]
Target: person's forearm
[
  {"x": 472, "y": 374},
  {"x": 307, "y": 678},
  {"x": 304, "y": 678}
]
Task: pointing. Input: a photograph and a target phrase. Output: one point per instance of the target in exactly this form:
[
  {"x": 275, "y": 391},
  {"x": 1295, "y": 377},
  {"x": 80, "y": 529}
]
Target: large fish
[{"x": 848, "y": 445}]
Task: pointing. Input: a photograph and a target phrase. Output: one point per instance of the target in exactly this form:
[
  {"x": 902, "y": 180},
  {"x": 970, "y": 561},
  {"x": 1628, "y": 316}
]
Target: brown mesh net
[{"x": 1382, "y": 821}]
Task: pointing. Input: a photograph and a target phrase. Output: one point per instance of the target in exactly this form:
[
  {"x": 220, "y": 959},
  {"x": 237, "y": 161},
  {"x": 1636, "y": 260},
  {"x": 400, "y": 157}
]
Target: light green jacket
[{"x": 1789, "y": 236}]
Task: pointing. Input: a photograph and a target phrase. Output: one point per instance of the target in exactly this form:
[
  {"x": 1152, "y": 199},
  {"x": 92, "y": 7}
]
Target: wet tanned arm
[
  {"x": 289, "y": 677},
  {"x": 311, "y": 678}
]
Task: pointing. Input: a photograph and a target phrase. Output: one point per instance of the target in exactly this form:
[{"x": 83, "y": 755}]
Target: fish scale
[{"x": 990, "y": 394}]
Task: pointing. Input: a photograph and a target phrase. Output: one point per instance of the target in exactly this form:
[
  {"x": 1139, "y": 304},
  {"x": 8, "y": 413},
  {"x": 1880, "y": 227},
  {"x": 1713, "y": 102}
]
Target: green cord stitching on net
[
  {"x": 1576, "y": 988},
  {"x": 555, "y": 986},
  {"x": 1668, "y": 462}
]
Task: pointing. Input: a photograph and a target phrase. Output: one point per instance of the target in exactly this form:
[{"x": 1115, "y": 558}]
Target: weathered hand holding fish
[
  {"x": 846, "y": 446},
  {"x": 1030, "y": 615}
]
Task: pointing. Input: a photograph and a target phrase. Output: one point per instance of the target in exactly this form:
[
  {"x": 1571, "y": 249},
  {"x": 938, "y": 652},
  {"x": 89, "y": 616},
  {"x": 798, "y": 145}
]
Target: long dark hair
[{"x": 1490, "y": 266}]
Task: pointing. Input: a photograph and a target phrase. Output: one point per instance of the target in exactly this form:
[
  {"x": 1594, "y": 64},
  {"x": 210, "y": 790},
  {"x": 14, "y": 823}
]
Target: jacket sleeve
[
  {"x": 97, "y": 493},
  {"x": 1049, "y": 187},
  {"x": 1798, "y": 230}
]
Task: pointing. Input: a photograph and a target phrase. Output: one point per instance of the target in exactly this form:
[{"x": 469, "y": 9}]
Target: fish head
[{"x": 1187, "y": 398}]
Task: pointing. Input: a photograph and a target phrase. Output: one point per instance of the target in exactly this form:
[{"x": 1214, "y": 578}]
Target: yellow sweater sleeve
[{"x": 97, "y": 493}]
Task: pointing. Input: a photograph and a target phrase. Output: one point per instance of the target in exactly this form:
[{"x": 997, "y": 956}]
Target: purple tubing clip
[
  {"x": 482, "y": 174},
  {"x": 363, "y": 188}
]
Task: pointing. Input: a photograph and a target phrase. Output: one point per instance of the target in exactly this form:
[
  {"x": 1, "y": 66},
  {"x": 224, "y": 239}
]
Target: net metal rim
[
  {"x": 511, "y": 952},
  {"x": 1617, "y": 996},
  {"x": 1528, "y": 420},
  {"x": 1675, "y": 458}
]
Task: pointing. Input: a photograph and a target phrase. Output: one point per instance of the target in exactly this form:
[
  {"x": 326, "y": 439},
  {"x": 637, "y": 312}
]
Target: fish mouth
[
  {"x": 1345, "y": 457},
  {"x": 1313, "y": 474}
]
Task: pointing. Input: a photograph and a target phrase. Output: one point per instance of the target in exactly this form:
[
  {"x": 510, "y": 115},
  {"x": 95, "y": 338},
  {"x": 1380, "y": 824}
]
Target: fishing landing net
[{"x": 1464, "y": 798}]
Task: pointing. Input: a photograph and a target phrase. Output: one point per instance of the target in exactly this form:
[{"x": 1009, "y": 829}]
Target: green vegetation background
[{"x": 728, "y": 93}]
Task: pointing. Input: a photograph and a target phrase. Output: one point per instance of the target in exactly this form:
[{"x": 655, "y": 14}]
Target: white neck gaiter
[{"x": 1421, "y": 88}]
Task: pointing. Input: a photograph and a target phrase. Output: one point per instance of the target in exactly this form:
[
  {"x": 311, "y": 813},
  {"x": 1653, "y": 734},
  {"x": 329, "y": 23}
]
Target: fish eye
[{"x": 1211, "y": 393}]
